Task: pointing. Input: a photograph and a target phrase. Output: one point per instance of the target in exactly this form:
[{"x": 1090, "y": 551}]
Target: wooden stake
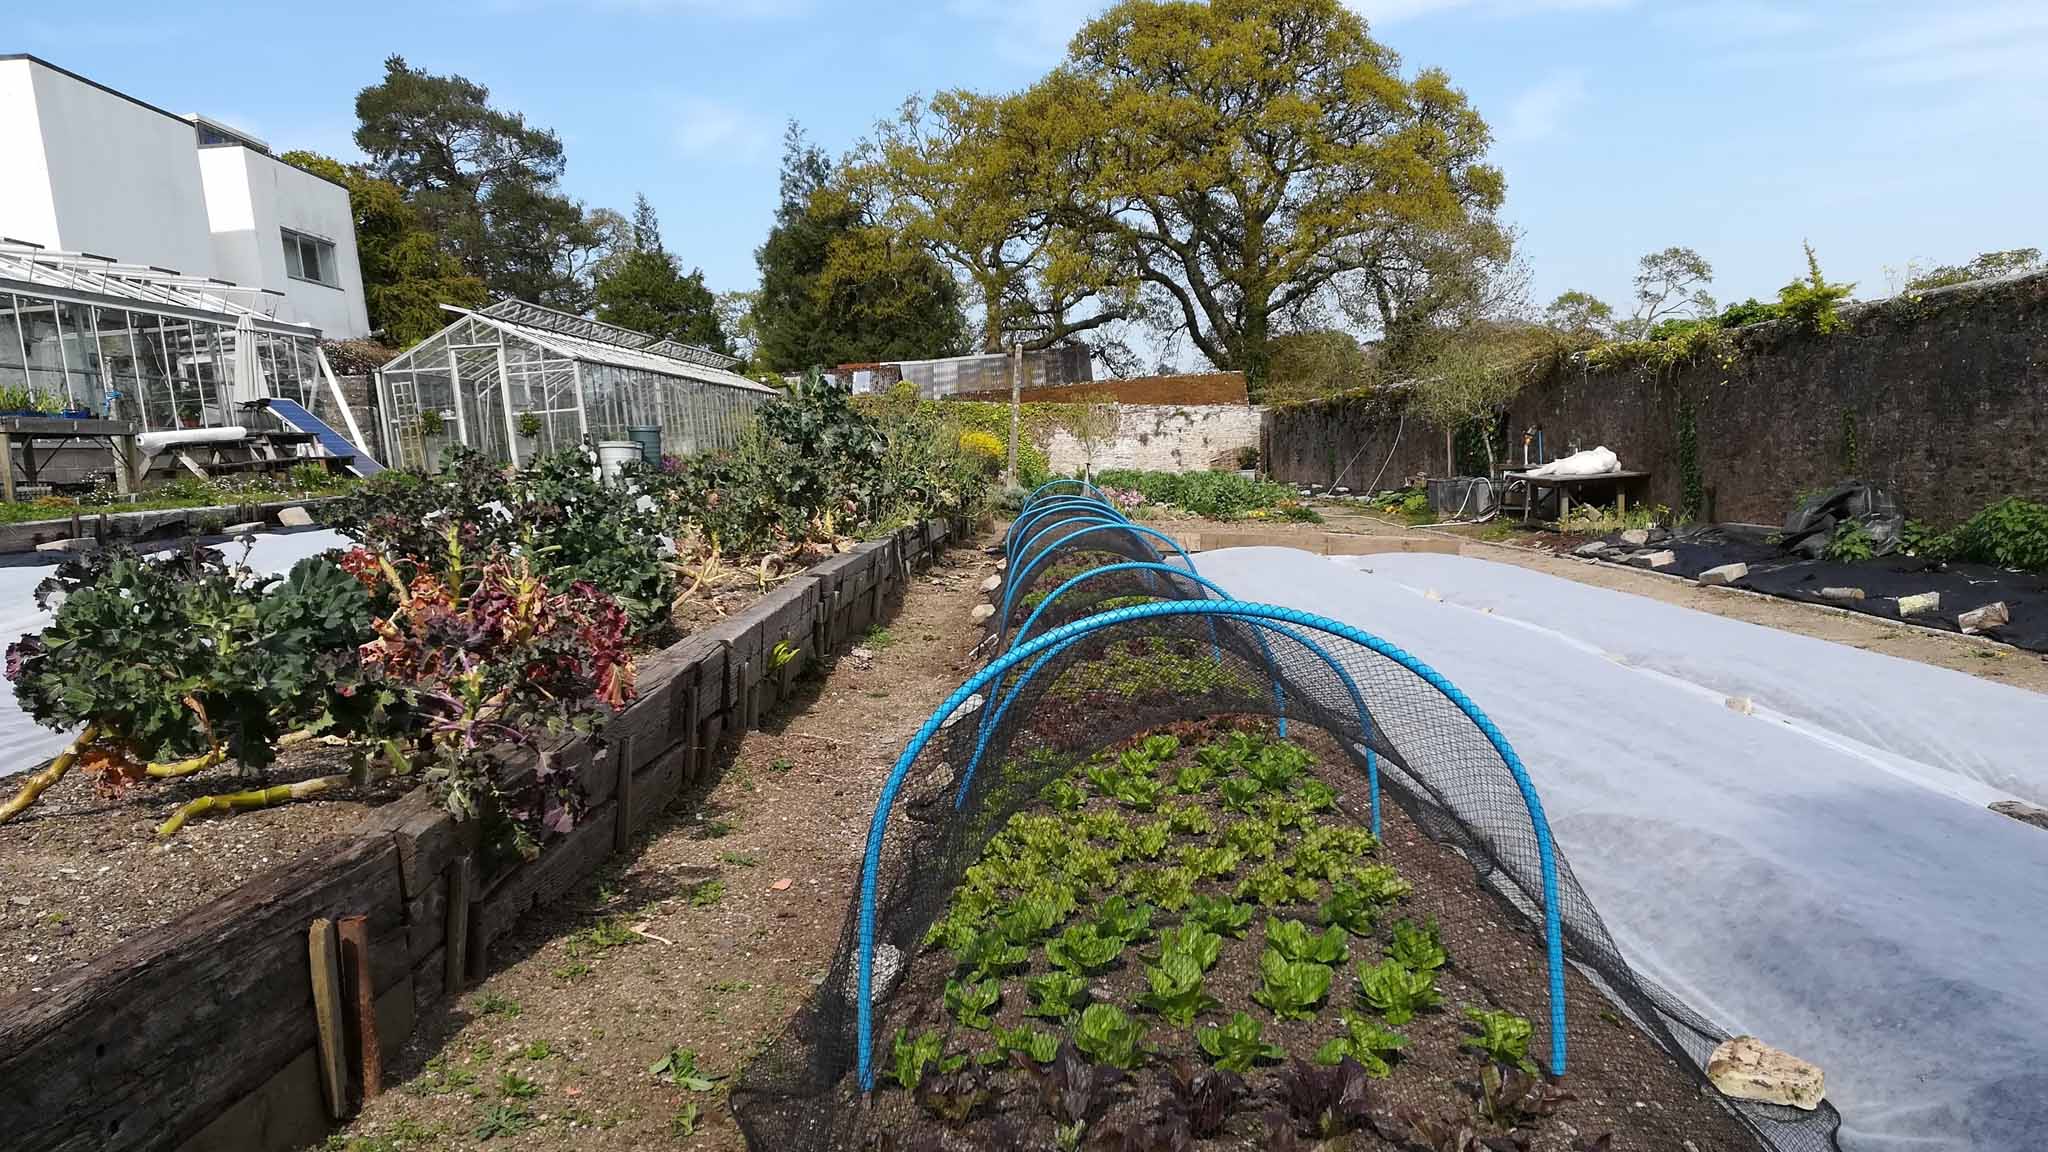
[
  {"x": 355, "y": 946},
  {"x": 455, "y": 960},
  {"x": 326, "y": 969},
  {"x": 622, "y": 824}
]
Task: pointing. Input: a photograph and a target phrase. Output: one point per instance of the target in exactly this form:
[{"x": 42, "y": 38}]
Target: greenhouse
[
  {"x": 84, "y": 334},
  {"x": 516, "y": 380}
]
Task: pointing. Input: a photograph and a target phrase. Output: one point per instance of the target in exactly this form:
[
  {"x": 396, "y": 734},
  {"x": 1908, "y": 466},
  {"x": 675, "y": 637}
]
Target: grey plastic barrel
[{"x": 648, "y": 437}]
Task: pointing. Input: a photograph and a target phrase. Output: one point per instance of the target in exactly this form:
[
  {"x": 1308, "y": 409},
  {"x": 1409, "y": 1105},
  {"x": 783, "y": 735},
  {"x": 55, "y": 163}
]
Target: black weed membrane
[{"x": 1177, "y": 871}]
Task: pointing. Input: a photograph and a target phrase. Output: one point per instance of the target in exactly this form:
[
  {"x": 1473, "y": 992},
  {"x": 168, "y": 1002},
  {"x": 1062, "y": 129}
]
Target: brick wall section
[
  {"x": 1165, "y": 438},
  {"x": 199, "y": 1036},
  {"x": 1947, "y": 393}
]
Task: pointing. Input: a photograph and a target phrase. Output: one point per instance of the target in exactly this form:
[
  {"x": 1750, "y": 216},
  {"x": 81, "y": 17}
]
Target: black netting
[{"x": 1053, "y": 734}]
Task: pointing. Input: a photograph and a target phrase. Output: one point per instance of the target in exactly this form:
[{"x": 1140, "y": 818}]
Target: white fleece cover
[{"x": 1821, "y": 872}]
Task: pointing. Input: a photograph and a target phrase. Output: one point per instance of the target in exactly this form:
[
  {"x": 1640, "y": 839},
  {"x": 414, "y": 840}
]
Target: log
[{"x": 362, "y": 985}]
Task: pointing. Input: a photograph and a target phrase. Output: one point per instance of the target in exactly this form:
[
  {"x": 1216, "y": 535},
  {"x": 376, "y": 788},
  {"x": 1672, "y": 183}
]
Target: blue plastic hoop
[
  {"x": 877, "y": 826},
  {"x": 1015, "y": 580}
]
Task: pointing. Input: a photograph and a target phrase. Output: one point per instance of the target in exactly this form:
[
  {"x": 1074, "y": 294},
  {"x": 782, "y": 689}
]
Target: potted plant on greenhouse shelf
[
  {"x": 528, "y": 425},
  {"x": 433, "y": 426}
]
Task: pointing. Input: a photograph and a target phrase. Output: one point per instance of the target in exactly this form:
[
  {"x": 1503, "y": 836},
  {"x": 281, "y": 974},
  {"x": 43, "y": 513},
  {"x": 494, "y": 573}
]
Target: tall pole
[{"x": 1016, "y": 389}]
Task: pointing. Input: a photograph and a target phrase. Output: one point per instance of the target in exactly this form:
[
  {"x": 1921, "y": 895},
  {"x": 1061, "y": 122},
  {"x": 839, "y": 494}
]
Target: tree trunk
[{"x": 1257, "y": 355}]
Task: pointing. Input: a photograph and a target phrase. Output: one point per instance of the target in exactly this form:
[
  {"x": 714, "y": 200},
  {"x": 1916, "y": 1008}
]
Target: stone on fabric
[
  {"x": 1918, "y": 603},
  {"x": 1994, "y": 615},
  {"x": 982, "y": 612},
  {"x": 1636, "y": 537},
  {"x": 1725, "y": 574},
  {"x": 1594, "y": 549},
  {"x": 1841, "y": 593},
  {"x": 992, "y": 583},
  {"x": 1748, "y": 1069},
  {"x": 1663, "y": 559},
  {"x": 295, "y": 517}
]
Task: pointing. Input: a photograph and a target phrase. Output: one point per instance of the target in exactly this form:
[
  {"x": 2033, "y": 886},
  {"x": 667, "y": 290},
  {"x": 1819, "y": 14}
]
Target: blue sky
[{"x": 1881, "y": 130}]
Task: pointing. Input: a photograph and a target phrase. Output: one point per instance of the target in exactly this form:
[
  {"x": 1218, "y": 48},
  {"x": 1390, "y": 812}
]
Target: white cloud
[
  {"x": 706, "y": 127},
  {"x": 1539, "y": 111}
]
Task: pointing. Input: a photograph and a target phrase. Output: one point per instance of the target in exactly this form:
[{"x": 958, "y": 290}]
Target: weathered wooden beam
[
  {"x": 355, "y": 951},
  {"x": 325, "y": 961}
]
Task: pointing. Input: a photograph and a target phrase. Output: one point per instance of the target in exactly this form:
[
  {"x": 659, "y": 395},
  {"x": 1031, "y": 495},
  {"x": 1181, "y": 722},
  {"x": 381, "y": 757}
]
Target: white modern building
[{"x": 88, "y": 170}]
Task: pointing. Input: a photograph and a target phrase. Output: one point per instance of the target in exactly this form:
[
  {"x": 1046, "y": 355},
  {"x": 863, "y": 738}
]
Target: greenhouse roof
[
  {"x": 81, "y": 276},
  {"x": 596, "y": 342}
]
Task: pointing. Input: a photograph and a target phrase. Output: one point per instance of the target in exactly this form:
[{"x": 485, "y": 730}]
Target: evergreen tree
[{"x": 644, "y": 289}]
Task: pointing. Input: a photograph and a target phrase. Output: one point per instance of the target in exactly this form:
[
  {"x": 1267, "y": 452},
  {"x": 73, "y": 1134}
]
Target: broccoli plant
[
  {"x": 1174, "y": 989},
  {"x": 1365, "y": 1042},
  {"x": 1417, "y": 946},
  {"x": 1239, "y": 1044},
  {"x": 973, "y": 1004},
  {"x": 1109, "y": 1036},
  {"x": 1296, "y": 941},
  {"x": 1291, "y": 989},
  {"x": 1502, "y": 1036},
  {"x": 1056, "y": 995},
  {"x": 1396, "y": 991},
  {"x": 1220, "y": 915}
]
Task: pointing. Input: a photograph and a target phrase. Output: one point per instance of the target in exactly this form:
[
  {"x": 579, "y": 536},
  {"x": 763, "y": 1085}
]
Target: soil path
[{"x": 706, "y": 938}]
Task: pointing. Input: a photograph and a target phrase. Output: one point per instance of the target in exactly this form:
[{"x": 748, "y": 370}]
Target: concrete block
[
  {"x": 1663, "y": 559},
  {"x": 1841, "y": 593},
  {"x": 294, "y": 517},
  {"x": 1918, "y": 603},
  {"x": 76, "y": 544},
  {"x": 1725, "y": 574},
  {"x": 1746, "y": 1068}
]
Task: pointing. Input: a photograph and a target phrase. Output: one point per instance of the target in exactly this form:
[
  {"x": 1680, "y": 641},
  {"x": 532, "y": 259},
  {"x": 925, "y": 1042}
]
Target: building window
[{"x": 309, "y": 258}]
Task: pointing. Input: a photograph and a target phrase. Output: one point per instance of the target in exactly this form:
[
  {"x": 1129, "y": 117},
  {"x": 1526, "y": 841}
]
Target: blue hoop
[
  {"x": 1013, "y": 582},
  {"x": 1056, "y": 504},
  {"x": 877, "y": 826},
  {"x": 993, "y": 717}
]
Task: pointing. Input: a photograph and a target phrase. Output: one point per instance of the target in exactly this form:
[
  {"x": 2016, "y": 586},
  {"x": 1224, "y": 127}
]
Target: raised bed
[
  {"x": 1190, "y": 940},
  {"x": 202, "y": 1034}
]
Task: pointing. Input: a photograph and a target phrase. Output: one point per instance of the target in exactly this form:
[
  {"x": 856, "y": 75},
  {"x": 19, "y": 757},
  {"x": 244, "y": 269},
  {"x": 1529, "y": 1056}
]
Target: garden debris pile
[{"x": 1167, "y": 872}]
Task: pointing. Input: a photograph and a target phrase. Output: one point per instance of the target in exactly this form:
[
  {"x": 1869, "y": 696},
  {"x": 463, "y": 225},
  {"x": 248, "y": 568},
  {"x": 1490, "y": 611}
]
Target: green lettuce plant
[
  {"x": 1083, "y": 949},
  {"x": 1417, "y": 946},
  {"x": 1297, "y": 941},
  {"x": 1105, "y": 1034},
  {"x": 1238, "y": 1044},
  {"x": 1056, "y": 995},
  {"x": 1502, "y": 1036},
  {"x": 1219, "y": 914},
  {"x": 972, "y": 1004},
  {"x": 1369, "y": 1044},
  {"x": 1291, "y": 989},
  {"x": 1174, "y": 990},
  {"x": 1396, "y": 991}
]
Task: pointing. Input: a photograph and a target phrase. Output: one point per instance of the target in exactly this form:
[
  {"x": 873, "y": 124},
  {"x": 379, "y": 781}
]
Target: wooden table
[
  {"x": 1565, "y": 484},
  {"x": 117, "y": 435}
]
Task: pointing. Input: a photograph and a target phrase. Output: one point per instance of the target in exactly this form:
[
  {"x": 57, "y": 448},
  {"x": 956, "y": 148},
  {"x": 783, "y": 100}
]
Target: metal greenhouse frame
[
  {"x": 580, "y": 377},
  {"x": 150, "y": 345}
]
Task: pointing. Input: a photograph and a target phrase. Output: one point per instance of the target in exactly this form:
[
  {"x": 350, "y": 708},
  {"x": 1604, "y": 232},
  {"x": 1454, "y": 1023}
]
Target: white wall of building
[
  {"x": 26, "y": 210},
  {"x": 86, "y": 169},
  {"x": 252, "y": 198},
  {"x": 124, "y": 178}
]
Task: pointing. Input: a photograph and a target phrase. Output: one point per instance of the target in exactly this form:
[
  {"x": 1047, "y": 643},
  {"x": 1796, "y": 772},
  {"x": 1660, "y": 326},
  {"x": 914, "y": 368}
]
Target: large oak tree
[{"x": 1248, "y": 156}]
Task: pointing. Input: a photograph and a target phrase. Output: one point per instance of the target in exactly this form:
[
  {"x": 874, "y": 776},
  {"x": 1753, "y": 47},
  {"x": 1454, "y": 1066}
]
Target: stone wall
[
  {"x": 201, "y": 1035},
  {"x": 1942, "y": 398},
  {"x": 1165, "y": 438}
]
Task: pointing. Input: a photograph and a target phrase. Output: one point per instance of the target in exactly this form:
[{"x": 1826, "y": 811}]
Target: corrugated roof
[{"x": 29, "y": 269}]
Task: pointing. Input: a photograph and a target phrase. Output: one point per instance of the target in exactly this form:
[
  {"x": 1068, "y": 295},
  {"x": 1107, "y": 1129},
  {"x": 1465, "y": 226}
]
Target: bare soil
[
  {"x": 707, "y": 936},
  {"x": 85, "y": 870}
]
